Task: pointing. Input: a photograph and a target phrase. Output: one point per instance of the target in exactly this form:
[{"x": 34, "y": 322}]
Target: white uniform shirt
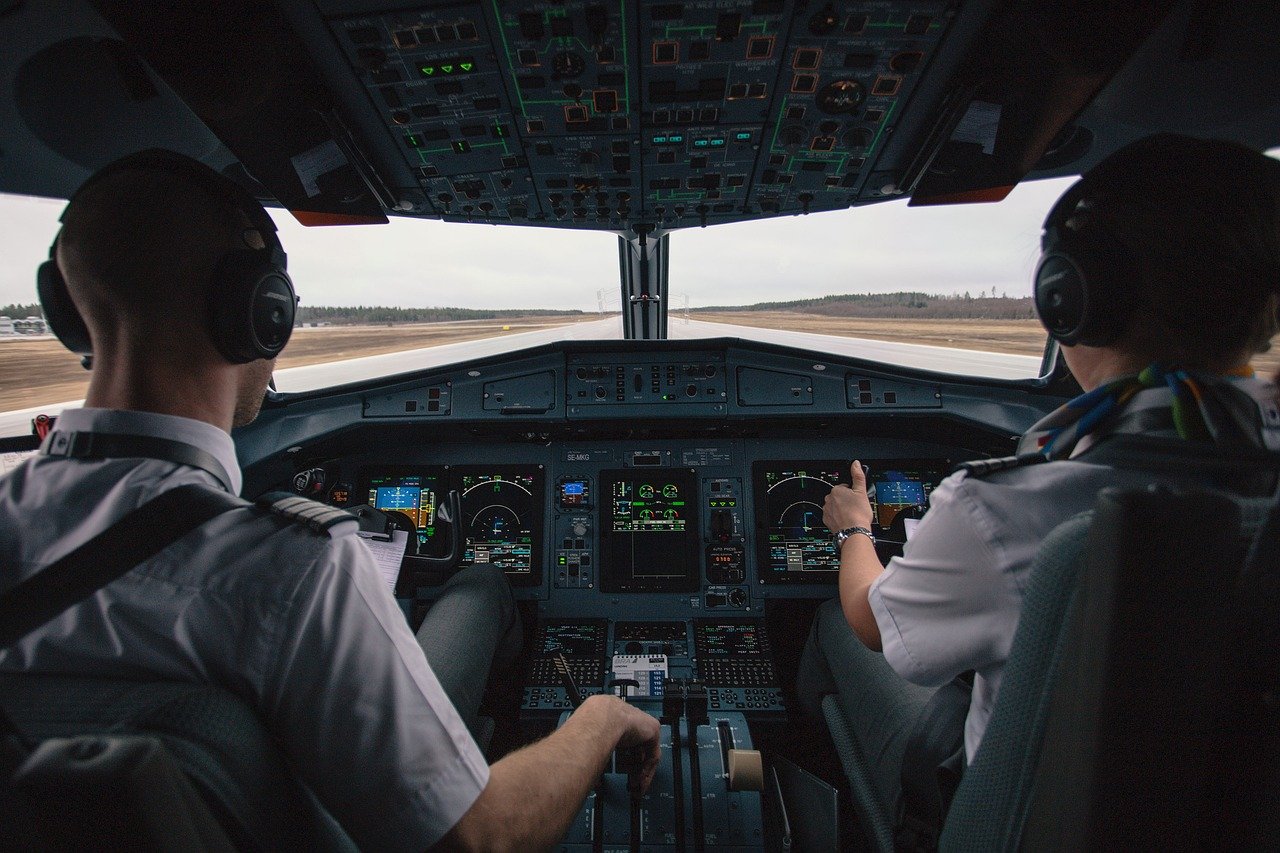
[
  {"x": 951, "y": 602},
  {"x": 299, "y": 625}
]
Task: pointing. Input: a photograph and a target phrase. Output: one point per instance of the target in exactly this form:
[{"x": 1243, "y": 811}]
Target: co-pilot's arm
[{"x": 848, "y": 506}]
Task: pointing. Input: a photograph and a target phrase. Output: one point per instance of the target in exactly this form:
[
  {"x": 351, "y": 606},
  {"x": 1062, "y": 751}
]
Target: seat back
[
  {"x": 213, "y": 736},
  {"x": 988, "y": 805},
  {"x": 105, "y": 792},
  {"x": 1127, "y": 703},
  {"x": 1163, "y": 728}
]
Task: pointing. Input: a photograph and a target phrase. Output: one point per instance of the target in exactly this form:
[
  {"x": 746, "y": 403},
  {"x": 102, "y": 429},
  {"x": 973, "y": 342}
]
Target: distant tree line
[
  {"x": 372, "y": 314},
  {"x": 984, "y": 306},
  {"x": 21, "y": 312}
]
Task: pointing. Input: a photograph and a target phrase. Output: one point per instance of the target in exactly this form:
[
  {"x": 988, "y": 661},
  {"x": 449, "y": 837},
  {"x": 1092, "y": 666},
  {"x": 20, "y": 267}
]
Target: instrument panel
[
  {"x": 653, "y": 508},
  {"x": 709, "y": 528}
]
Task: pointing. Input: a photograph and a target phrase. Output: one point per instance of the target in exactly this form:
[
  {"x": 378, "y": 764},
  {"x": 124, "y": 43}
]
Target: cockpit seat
[
  {"x": 1138, "y": 706},
  {"x": 214, "y": 737}
]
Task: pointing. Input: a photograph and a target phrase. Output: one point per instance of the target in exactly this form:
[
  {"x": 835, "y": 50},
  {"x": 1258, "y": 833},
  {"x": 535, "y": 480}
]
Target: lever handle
[{"x": 451, "y": 513}]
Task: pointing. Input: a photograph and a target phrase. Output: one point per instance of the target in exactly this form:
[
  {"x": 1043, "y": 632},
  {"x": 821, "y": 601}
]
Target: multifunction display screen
[
  {"x": 899, "y": 495},
  {"x": 795, "y": 546},
  {"x": 416, "y": 495},
  {"x": 502, "y": 511},
  {"x": 649, "y": 530}
]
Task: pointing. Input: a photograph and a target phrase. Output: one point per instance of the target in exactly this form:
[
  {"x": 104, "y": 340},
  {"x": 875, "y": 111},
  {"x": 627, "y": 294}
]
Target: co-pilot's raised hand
[{"x": 848, "y": 506}]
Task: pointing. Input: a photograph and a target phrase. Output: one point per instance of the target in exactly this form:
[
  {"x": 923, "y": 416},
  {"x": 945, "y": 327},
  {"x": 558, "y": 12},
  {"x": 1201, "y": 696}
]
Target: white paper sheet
[{"x": 388, "y": 554}]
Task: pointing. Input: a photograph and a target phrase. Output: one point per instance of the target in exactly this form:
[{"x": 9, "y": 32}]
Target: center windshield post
[{"x": 643, "y": 262}]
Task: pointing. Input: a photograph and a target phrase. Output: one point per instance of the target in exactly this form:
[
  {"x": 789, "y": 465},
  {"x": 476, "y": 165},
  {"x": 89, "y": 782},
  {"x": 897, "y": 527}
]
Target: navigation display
[
  {"x": 795, "y": 546},
  {"x": 649, "y": 530},
  {"x": 413, "y": 492},
  {"x": 502, "y": 510}
]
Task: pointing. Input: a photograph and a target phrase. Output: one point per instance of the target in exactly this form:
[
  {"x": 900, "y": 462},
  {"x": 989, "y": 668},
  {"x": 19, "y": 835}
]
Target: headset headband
[{"x": 220, "y": 187}]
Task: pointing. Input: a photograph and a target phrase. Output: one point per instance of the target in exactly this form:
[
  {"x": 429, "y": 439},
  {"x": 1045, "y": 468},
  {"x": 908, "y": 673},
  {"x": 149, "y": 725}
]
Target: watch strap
[{"x": 843, "y": 535}]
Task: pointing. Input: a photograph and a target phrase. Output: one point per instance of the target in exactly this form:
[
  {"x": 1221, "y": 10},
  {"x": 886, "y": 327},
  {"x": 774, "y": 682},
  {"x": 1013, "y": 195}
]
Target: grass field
[{"x": 39, "y": 372}]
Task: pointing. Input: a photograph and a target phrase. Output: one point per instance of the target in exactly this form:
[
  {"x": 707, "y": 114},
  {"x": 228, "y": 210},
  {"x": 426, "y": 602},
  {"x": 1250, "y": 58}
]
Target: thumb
[{"x": 856, "y": 474}]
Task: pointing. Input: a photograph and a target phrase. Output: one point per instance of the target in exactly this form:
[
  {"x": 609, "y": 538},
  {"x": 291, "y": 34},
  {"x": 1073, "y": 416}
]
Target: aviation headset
[
  {"x": 251, "y": 298},
  {"x": 1085, "y": 278}
]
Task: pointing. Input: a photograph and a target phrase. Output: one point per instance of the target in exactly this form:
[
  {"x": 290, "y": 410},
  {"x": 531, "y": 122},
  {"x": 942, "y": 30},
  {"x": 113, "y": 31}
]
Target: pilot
[
  {"x": 299, "y": 624},
  {"x": 1159, "y": 276}
]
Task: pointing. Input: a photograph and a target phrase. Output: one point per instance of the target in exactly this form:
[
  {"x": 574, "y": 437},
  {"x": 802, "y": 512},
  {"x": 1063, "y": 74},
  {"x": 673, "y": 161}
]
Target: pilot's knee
[{"x": 487, "y": 585}]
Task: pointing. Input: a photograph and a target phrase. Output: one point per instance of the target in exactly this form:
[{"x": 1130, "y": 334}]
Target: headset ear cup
[
  {"x": 1082, "y": 288},
  {"x": 1060, "y": 296},
  {"x": 60, "y": 311},
  {"x": 252, "y": 308}
]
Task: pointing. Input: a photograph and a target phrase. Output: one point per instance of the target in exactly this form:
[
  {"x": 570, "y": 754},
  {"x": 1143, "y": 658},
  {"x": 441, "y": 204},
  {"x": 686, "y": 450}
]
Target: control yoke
[{"x": 451, "y": 514}]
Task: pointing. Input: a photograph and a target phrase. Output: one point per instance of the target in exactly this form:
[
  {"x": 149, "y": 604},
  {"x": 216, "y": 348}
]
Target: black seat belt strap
[{"x": 132, "y": 540}]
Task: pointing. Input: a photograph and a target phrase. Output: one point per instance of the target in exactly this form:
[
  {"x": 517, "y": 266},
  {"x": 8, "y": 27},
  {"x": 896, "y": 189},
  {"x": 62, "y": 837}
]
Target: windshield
[{"x": 940, "y": 288}]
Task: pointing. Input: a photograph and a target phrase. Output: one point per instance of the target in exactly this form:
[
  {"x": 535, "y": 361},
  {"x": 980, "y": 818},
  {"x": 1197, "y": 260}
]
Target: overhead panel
[{"x": 608, "y": 115}]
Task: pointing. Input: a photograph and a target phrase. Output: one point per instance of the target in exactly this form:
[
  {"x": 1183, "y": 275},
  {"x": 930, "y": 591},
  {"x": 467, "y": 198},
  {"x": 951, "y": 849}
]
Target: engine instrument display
[
  {"x": 502, "y": 510},
  {"x": 415, "y": 493},
  {"x": 649, "y": 530}
]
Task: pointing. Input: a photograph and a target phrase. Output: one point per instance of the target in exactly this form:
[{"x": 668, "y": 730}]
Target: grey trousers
[
  {"x": 880, "y": 706},
  {"x": 470, "y": 630}
]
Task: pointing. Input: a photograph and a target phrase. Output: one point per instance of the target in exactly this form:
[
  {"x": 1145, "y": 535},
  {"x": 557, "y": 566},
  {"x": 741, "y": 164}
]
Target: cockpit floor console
[
  {"x": 705, "y": 795},
  {"x": 731, "y": 657}
]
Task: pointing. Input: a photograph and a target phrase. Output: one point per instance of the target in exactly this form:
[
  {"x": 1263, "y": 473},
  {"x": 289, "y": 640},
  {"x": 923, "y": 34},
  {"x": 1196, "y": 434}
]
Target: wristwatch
[{"x": 842, "y": 535}]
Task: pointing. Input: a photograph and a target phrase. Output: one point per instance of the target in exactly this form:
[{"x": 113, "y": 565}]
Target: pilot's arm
[
  {"x": 534, "y": 794},
  {"x": 369, "y": 729}
]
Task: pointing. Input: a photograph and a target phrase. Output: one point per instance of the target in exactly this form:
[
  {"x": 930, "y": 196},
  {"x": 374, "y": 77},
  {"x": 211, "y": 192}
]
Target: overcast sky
[{"x": 411, "y": 263}]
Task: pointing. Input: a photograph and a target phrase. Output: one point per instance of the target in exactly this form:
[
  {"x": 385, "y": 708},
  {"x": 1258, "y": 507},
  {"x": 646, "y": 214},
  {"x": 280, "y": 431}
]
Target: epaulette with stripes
[
  {"x": 985, "y": 467},
  {"x": 318, "y": 517}
]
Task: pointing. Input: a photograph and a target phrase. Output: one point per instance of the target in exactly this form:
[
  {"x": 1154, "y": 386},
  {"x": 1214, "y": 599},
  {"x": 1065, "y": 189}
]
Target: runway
[{"x": 318, "y": 376}]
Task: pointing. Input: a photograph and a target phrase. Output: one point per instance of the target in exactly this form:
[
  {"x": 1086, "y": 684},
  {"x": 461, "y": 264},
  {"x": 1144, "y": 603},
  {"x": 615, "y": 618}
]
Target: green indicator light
[
  {"x": 466, "y": 66},
  {"x": 447, "y": 69},
  {"x": 427, "y": 70},
  {"x": 678, "y": 137},
  {"x": 659, "y": 140},
  {"x": 700, "y": 143},
  {"x": 563, "y": 559},
  {"x": 715, "y": 143},
  {"x": 414, "y": 140},
  {"x": 742, "y": 136},
  {"x": 499, "y": 131}
]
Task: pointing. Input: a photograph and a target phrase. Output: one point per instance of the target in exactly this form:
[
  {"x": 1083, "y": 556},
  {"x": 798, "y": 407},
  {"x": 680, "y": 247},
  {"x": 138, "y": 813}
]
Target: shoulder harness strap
[
  {"x": 985, "y": 467},
  {"x": 317, "y": 517}
]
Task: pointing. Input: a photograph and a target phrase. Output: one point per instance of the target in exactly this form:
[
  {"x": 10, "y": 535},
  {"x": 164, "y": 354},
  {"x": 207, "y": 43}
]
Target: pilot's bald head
[{"x": 139, "y": 248}]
